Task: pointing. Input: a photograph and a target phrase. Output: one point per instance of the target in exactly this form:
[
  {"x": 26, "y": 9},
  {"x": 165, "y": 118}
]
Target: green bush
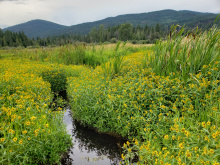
[
  {"x": 134, "y": 41},
  {"x": 113, "y": 40},
  {"x": 56, "y": 78}
]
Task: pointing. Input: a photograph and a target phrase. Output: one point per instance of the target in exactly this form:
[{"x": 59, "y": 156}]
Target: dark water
[{"x": 90, "y": 147}]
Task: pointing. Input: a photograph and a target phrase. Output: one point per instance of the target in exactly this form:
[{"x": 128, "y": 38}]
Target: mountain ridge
[{"x": 42, "y": 28}]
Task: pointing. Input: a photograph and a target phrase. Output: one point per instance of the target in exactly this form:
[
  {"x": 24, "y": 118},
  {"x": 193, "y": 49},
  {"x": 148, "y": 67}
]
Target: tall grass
[
  {"x": 185, "y": 53},
  {"x": 74, "y": 55},
  {"x": 78, "y": 54},
  {"x": 113, "y": 67}
]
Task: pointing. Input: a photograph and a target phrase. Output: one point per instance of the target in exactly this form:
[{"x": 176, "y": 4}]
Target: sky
[{"x": 72, "y": 12}]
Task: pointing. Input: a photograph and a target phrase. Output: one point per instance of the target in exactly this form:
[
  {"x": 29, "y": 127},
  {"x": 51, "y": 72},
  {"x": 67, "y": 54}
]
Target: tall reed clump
[
  {"x": 114, "y": 66},
  {"x": 185, "y": 53},
  {"x": 74, "y": 55}
]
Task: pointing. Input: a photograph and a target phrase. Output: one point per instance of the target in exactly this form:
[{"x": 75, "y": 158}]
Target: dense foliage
[
  {"x": 123, "y": 32},
  {"x": 169, "y": 114},
  {"x": 13, "y": 39},
  {"x": 30, "y": 131}
]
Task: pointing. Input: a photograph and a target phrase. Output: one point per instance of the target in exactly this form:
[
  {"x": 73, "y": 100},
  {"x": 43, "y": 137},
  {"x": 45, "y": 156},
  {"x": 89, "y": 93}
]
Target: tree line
[
  {"x": 13, "y": 39},
  {"x": 124, "y": 32}
]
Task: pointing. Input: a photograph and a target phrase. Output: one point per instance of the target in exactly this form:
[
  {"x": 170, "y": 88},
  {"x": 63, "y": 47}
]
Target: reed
[{"x": 185, "y": 53}]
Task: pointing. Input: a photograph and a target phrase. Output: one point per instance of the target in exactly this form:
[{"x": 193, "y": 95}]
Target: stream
[{"x": 89, "y": 146}]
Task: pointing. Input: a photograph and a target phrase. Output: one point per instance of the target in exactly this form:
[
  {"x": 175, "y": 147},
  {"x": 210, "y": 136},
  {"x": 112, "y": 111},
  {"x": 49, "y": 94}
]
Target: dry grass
[{"x": 112, "y": 46}]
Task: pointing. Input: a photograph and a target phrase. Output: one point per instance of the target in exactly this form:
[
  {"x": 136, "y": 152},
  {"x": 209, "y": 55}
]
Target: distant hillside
[
  {"x": 164, "y": 17},
  {"x": 36, "y": 28}
]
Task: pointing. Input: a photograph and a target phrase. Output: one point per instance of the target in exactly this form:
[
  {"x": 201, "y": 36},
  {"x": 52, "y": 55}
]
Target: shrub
[
  {"x": 134, "y": 41},
  {"x": 113, "y": 40},
  {"x": 56, "y": 78}
]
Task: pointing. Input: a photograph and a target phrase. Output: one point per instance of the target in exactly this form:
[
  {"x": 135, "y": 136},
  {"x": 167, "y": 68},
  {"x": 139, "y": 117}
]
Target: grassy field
[
  {"x": 163, "y": 98},
  {"x": 77, "y": 54}
]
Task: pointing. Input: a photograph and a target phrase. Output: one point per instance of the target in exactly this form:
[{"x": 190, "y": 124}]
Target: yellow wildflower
[
  {"x": 166, "y": 137},
  {"x": 15, "y": 139}
]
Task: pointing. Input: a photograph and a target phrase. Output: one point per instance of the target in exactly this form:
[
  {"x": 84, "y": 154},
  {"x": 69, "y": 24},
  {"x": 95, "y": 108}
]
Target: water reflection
[{"x": 89, "y": 146}]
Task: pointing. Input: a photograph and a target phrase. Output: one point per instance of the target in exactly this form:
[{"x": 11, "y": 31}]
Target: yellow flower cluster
[
  {"x": 171, "y": 120},
  {"x": 23, "y": 114}
]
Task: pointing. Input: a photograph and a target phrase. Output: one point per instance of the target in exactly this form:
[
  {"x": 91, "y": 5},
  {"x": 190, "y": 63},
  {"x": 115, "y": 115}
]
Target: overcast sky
[{"x": 71, "y": 12}]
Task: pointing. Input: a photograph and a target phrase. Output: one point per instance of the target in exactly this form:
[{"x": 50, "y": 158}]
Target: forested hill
[
  {"x": 191, "y": 19},
  {"x": 36, "y": 28},
  {"x": 163, "y": 17}
]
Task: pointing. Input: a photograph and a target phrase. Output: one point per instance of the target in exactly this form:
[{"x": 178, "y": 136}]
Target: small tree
[
  {"x": 157, "y": 28},
  {"x": 125, "y": 32}
]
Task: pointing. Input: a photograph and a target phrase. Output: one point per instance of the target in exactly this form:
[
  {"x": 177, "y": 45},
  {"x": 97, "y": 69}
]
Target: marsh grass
[
  {"x": 165, "y": 100},
  {"x": 113, "y": 67},
  {"x": 78, "y": 54},
  {"x": 185, "y": 53}
]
